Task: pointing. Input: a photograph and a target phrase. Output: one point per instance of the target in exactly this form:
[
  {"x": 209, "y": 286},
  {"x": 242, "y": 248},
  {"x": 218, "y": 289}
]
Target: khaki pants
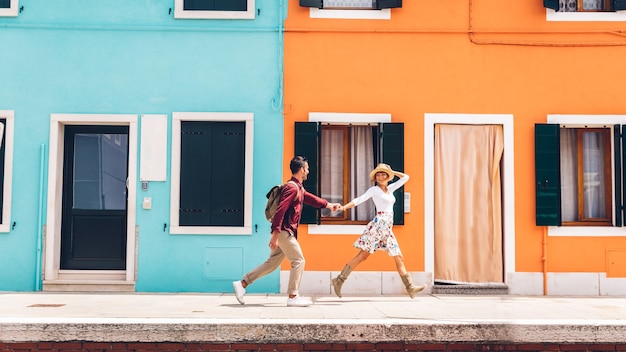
[{"x": 288, "y": 247}]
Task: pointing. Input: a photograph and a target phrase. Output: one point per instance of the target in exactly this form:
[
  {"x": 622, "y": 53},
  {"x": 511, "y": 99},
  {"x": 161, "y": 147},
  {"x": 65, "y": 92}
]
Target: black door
[{"x": 93, "y": 225}]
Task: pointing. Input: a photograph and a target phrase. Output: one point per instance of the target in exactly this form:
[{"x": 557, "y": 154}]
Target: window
[
  {"x": 574, "y": 168},
  {"x": 585, "y": 10},
  {"x": 214, "y": 9},
  {"x": 340, "y": 159},
  {"x": 6, "y": 163},
  {"x": 211, "y": 184},
  {"x": 352, "y": 4},
  {"x": 8, "y": 8}
]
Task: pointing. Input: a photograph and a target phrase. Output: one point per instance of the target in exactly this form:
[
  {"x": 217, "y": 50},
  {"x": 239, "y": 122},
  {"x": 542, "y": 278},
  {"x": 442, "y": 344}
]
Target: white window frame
[
  {"x": 583, "y": 121},
  {"x": 508, "y": 184},
  {"x": 177, "y": 118},
  {"x": 556, "y": 16},
  {"x": 384, "y": 14},
  {"x": 11, "y": 11},
  {"x": 5, "y": 226},
  {"x": 180, "y": 12},
  {"x": 335, "y": 118}
]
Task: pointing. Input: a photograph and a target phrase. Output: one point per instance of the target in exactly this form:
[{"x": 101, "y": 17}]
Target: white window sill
[
  {"x": 384, "y": 14},
  {"x": 555, "y": 16},
  {"x": 336, "y": 229}
]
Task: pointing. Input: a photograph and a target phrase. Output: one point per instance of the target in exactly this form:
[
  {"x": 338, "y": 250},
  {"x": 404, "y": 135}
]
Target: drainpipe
[
  {"x": 42, "y": 163},
  {"x": 544, "y": 259}
]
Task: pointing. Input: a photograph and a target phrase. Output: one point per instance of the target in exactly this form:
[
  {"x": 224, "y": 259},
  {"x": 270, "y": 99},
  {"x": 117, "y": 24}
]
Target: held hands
[{"x": 333, "y": 206}]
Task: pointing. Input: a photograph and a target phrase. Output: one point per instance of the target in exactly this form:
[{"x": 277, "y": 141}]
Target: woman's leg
[
  {"x": 399, "y": 259},
  {"x": 358, "y": 259},
  {"x": 343, "y": 276},
  {"x": 406, "y": 277}
]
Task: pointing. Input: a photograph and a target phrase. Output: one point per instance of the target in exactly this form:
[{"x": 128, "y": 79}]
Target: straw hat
[{"x": 382, "y": 168}]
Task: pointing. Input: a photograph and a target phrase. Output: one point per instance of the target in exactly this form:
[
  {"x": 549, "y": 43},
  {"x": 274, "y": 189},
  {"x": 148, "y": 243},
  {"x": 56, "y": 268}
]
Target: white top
[{"x": 383, "y": 201}]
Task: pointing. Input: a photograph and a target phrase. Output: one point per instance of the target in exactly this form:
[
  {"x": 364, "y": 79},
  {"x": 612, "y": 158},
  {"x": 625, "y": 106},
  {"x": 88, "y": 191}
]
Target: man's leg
[
  {"x": 293, "y": 252},
  {"x": 276, "y": 257}
]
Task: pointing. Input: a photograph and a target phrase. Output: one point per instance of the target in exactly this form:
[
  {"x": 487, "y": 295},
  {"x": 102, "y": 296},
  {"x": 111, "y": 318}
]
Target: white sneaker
[
  {"x": 298, "y": 302},
  {"x": 239, "y": 291}
]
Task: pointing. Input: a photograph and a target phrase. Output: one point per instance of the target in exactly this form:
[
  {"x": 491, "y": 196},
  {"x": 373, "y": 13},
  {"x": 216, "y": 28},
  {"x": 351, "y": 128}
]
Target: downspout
[
  {"x": 282, "y": 16},
  {"x": 544, "y": 259},
  {"x": 42, "y": 163}
]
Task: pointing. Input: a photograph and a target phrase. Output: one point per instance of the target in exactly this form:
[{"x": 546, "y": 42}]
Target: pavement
[{"x": 265, "y": 318}]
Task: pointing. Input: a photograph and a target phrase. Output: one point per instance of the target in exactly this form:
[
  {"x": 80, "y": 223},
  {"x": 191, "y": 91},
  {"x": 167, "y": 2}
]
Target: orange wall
[{"x": 424, "y": 60}]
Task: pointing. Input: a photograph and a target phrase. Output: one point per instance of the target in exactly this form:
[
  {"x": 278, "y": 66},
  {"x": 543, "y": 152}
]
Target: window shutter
[
  {"x": 618, "y": 156},
  {"x": 312, "y": 3},
  {"x": 212, "y": 173},
  {"x": 388, "y": 4},
  {"x": 392, "y": 143},
  {"x": 216, "y": 5},
  {"x": 307, "y": 142},
  {"x": 551, "y": 4},
  {"x": 547, "y": 175},
  {"x": 3, "y": 122},
  {"x": 227, "y": 173},
  {"x": 619, "y": 5}
]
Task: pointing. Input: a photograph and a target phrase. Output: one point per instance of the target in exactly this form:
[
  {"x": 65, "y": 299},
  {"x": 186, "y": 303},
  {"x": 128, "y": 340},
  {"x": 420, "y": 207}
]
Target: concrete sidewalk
[{"x": 186, "y": 317}]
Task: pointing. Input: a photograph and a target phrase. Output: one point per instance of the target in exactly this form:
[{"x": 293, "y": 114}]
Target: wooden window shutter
[
  {"x": 388, "y": 4},
  {"x": 216, "y": 5},
  {"x": 307, "y": 144},
  {"x": 392, "y": 146},
  {"x": 619, "y": 5},
  {"x": 551, "y": 4},
  {"x": 618, "y": 157},
  {"x": 212, "y": 173},
  {"x": 312, "y": 3},
  {"x": 547, "y": 175}
]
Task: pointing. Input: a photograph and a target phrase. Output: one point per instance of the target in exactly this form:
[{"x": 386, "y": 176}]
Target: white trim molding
[
  {"x": 7, "y": 186},
  {"x": 52, "y": 254},
  {"x": 508, "y": 186},
  {"x": 177, "y": 118},
  {"x": 180, "y": 12}
]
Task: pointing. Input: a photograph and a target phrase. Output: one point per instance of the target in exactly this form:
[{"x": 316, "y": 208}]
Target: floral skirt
[{"x": 378, "y": 236}]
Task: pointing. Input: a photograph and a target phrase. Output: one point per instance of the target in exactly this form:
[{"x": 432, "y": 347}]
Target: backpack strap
[{"x": 297, "y": 188}]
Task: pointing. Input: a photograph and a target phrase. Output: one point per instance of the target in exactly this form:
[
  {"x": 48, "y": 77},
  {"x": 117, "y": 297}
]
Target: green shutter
[
  {"x": 619, "y": 5},
  {"x": 551, "y": 4},
  {"x": 618, "y": 156},
  {"x": 312, "y": 3},
  {"x": 388, "y": 4},
  {"x": 2, "y": 152},
  {"x": 212, "y": 172},
  {"x": 216, "y": 5},
  {"x": 227, "y": 174},
  {"x": 392, "y": 144},
  {"x": 307, "y": 142},
  {"x": 547, "y": 175}
]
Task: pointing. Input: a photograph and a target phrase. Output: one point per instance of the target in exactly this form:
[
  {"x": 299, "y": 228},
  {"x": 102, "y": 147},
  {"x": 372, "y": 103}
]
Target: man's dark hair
[{"x": 297, "y": 163}]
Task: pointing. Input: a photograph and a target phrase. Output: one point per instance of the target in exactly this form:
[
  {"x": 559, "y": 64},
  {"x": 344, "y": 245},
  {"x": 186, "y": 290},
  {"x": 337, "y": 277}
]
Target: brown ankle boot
[
  {"x": 340, "y": 279},
  {"x": 410, "y": 287}
]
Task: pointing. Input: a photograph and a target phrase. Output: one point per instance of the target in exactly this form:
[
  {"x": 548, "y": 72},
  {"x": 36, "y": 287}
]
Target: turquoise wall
[{"x": 133, "y": 57}]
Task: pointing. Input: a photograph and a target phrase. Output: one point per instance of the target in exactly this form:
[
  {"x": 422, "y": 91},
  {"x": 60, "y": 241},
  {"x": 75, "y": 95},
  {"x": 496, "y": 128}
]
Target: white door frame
[
  {"x": 52, "y": 252},
  {"x": 508, "y": 186}
]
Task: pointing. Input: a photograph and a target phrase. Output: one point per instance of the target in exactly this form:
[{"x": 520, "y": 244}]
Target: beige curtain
[
  {"x": 361, "y": 163},
  {"x": 468, "y": 203}
]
